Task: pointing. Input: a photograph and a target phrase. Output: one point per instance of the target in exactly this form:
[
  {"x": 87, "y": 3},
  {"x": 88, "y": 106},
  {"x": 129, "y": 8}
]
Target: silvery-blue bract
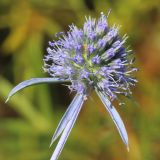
[{"x": 91, "y": 58}]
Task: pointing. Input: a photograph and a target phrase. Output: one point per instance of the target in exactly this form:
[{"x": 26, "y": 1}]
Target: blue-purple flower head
[{"x": 93, "y": 57}]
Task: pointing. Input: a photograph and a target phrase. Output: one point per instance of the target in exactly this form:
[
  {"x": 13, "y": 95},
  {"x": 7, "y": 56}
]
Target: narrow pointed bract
[
  {"x": 115, "y": 117},
  {"x": 78, "y": 99},
  {"x": 94, "y": 57},
  {"x": 31, "y": 82},
  {"x": 67, "y": 130}
]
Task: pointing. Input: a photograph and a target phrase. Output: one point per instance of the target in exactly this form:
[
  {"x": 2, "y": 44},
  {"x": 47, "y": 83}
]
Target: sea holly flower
[{"x": 91, "y": 58}]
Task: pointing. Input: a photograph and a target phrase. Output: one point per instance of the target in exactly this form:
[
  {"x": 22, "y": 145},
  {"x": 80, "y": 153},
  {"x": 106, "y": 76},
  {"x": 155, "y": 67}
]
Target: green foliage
[{"x": 28, "y": 120}]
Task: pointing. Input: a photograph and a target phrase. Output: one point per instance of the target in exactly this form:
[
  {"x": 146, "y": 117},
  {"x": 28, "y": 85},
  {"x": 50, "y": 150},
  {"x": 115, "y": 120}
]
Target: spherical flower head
[{"x": 93, "y": 57}]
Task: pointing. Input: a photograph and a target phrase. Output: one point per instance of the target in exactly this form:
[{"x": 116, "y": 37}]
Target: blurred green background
[{"x": 29, "y": 119}]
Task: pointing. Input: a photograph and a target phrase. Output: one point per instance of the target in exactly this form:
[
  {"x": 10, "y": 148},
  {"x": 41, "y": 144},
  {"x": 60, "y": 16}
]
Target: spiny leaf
[
  {"x": 78, "y": 99},
  {"x": 115, "y": 116},
  {"x": 33, "y": 81},
  {"x": 67, "y": 131}
]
